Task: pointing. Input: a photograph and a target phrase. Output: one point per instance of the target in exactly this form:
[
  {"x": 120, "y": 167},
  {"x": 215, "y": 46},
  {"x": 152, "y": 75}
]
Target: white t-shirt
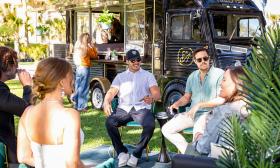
[{"x": 133, "y": 87}]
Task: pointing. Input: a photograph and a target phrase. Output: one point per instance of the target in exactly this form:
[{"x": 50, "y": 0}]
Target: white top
[
  {"x": 49, "y": 156},
  {"x": 133, "y": 87}
]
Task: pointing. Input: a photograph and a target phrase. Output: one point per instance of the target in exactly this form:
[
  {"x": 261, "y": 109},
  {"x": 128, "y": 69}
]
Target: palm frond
[{"x": 256, "y": 143}]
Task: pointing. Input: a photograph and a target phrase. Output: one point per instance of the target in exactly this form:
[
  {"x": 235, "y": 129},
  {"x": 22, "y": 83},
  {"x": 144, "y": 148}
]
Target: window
[
  {"x": 234, "y": 25},
  {"x": 249, "y": 27},
  {"x": 135, "y": 16},
  {"x": 135, "y": 27},
  {"x": 180, "y": 28},
  {"x": 82, "y": 23}
]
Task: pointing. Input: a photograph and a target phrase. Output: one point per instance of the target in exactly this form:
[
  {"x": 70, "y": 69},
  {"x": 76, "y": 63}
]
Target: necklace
[{"x": 52, "y": 101}]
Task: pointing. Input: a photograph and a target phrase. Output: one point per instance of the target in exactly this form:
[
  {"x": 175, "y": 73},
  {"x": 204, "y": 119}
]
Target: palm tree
[
  {"x": 256, "y": 143},
  {"x": 11, "y": 25}
]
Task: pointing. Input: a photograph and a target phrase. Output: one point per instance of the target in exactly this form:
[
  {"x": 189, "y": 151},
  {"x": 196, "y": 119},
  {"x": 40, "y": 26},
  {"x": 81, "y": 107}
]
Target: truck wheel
[
  {"x": 97, "y": 96},
  {"x": 173, "y": 93}
]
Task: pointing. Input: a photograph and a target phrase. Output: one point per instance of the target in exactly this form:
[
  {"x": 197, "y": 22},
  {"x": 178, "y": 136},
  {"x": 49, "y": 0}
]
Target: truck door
[{"x": 183, "y": 35}]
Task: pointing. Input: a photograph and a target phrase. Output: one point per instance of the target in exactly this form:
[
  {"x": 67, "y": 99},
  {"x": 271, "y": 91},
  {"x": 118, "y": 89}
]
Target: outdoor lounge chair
[{"x": 130, "y": 124}]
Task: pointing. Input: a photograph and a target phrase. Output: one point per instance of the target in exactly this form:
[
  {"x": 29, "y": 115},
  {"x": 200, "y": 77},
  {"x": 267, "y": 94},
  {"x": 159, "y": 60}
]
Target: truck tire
[
  {"x": 173, "y": 93},
  {"x": 97, "y": 96}
]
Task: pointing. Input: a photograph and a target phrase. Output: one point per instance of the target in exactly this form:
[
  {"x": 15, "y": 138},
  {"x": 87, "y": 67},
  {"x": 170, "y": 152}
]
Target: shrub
[{"x": 35, "y": 51}]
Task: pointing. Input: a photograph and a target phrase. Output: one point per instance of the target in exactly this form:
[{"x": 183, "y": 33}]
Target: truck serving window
[
  {"x": 180, "y": 28},
  {"x": 82, "y": 23},
  {"x": 235, "y": 25},
  {"x": 135, "y": 27}
]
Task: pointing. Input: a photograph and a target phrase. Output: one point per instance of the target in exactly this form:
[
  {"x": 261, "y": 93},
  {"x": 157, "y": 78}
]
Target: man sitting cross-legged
[{"x": 136, "y": 89}]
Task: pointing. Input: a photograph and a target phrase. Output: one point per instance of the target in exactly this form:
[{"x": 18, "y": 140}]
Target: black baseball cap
[{"x": 132, "y": 55}]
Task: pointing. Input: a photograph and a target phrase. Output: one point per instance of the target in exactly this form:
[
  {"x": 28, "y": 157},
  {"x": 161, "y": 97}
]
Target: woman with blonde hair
[
  {"x": 84, "y": 51},
  {"x": 49, "y": 134}
]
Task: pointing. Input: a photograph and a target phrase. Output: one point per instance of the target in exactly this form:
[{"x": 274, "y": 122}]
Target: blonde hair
[{"x": 47, "y": 76}]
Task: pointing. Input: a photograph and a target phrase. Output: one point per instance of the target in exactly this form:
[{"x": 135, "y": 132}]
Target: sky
[{"x": 272, "y": 6}]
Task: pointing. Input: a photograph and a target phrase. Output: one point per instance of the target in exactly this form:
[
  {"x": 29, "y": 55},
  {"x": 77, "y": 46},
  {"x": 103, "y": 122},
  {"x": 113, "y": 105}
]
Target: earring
[{"x": 62, "y": 92}]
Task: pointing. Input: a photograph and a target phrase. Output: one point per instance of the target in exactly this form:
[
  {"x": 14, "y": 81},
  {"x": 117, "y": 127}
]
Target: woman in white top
[{"x": 49, "y": 135}]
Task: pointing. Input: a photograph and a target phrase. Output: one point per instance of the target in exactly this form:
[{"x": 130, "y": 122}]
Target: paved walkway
[{"x": 100, "y": 154}]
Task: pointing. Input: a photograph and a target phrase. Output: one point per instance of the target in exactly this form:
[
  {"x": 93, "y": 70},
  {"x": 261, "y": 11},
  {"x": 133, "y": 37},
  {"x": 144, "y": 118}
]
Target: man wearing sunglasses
[
  {"x": 136, "y": 90},
  {"x": 202, "y": 85}
]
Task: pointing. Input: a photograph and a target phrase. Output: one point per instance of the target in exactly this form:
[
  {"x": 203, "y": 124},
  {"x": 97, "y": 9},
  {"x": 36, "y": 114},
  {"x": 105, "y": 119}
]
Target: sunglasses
[
  {"x": 135, "y": 60},
  {"x": 199, "y": 60}
]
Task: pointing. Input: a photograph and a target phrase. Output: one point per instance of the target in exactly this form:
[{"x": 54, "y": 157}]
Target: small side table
[{"x": 163, "y": 157}]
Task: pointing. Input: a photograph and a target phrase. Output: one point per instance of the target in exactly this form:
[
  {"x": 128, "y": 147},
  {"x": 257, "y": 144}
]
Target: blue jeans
[{"x": 81, "y": 87}]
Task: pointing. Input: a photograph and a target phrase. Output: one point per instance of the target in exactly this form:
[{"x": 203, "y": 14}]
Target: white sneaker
[
  {"x": 123, "y": 158},
  {"x": 132, "y": 162}
]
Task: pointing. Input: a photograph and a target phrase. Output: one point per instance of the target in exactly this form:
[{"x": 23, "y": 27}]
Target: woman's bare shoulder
[{"x": 71, "y": 114}]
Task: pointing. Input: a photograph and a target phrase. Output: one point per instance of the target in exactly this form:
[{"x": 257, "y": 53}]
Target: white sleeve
[
  {"x": 116, "y": 82},
  {"x": 151, "y": 80}
]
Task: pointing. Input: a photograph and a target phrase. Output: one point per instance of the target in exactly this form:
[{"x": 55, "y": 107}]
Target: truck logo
[{"x": 184, "y": 56}]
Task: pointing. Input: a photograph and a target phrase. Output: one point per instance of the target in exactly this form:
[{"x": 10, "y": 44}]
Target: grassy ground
[{"x": 93, "y": 125}]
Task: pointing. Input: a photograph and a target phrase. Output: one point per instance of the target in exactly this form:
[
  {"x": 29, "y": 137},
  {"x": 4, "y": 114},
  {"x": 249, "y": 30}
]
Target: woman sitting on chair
[{"x": 49, "y": 135}]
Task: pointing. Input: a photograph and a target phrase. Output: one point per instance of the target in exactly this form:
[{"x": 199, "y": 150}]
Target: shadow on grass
[{"x": 93, "y": 124}]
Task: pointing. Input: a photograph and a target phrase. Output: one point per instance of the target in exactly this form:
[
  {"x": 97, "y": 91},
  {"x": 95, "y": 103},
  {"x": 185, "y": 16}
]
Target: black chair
[{"x": 181, "y": 160}]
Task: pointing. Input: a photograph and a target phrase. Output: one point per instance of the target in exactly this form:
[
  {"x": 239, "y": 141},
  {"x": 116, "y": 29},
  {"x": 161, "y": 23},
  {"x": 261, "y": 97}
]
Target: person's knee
[
  {"x": 150, "y": 126},
  {"x": 166, "y": 130},
  {"x": 110, "y": 122}
]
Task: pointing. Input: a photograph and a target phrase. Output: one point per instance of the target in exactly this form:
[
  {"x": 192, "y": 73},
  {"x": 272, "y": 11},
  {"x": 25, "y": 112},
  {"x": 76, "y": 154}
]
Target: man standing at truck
[
  {"x": 136, "y": 90},
  {"x": 202, "y": 85}
]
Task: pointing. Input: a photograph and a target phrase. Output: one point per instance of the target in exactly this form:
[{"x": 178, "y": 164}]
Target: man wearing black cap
[{"x": 136, "y": 90}]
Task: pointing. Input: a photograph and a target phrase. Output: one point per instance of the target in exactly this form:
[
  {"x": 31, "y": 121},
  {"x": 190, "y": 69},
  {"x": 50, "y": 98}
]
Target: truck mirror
[{"x": 196, "y": 14}]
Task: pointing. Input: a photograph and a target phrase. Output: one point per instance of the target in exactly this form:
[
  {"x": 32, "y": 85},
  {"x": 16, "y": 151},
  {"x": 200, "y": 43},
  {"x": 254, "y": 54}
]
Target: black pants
[{"x": 121, "y": 118}]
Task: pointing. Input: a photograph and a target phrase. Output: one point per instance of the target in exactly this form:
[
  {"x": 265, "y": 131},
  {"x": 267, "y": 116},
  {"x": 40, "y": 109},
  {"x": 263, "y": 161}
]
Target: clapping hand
[{"x": 24, "y": 77}]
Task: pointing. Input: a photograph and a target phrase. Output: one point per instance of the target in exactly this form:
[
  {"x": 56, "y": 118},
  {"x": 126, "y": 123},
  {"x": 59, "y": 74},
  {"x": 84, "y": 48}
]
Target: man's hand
[
  {"x": 197, "y": 136},
  {"x": 148, "y": 99},
  {"x": 193, "y": 110},
  {"x": 107, "y": 109},
  {"x": 24, "y": 77},
  {"x": 174, "y": 106}
]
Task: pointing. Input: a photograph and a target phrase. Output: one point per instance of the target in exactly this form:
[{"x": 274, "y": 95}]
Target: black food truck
[{"x": 165, "y": 32}]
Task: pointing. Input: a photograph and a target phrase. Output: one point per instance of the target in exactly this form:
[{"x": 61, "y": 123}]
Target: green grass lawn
[{"x": 93, "y": 125}]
